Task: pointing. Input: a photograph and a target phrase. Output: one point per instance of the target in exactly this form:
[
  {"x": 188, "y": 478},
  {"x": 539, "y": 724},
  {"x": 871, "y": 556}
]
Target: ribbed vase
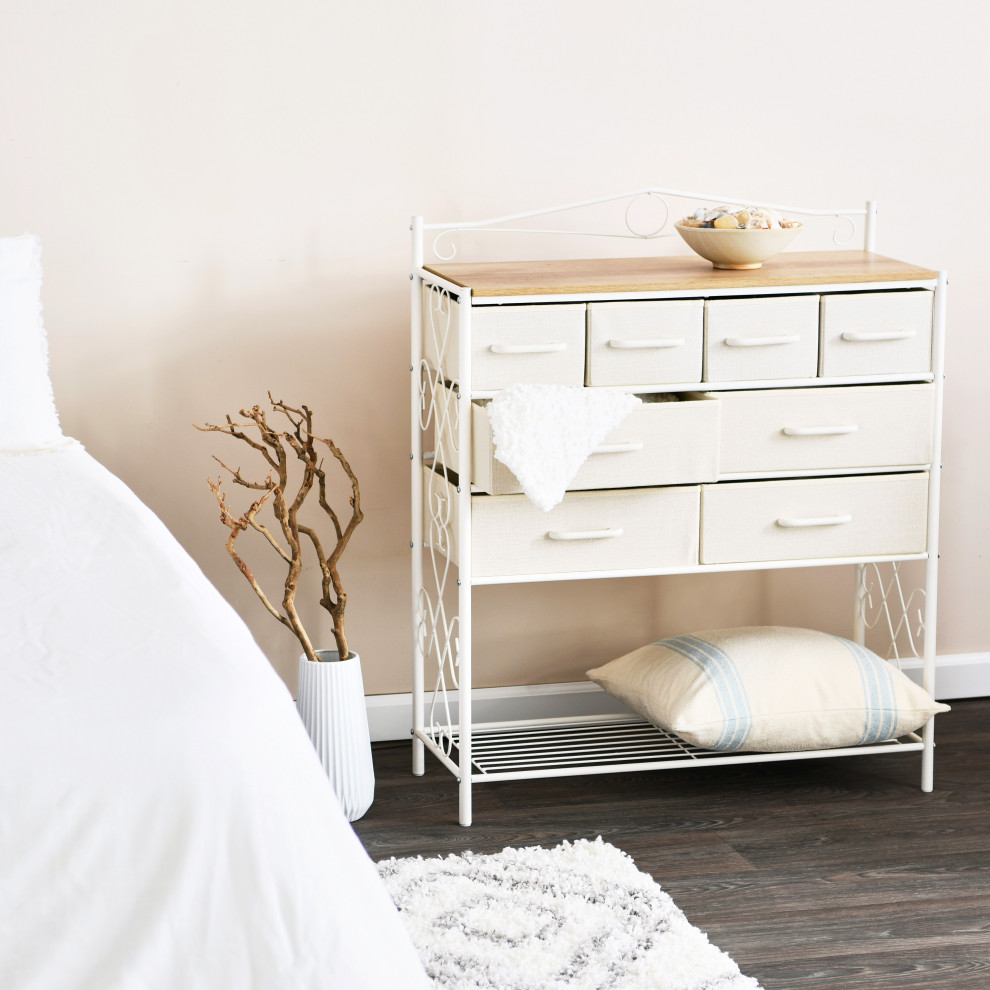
[{"x": 330, "y": 698}]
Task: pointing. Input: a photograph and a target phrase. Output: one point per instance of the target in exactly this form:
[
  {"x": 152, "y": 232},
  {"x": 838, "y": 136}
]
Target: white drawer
[
  {"x": 877, "y": 333},
  {"x": 878, "y": 515},
  {"x": 768, "y": 338},
  {"x": 589, "y": 531},
  {"x": 658, "y": 443},
  {"x": 645, "y": 343},
  {"x": 819, "y": 429},
  {"x": 509, "y": 344}
]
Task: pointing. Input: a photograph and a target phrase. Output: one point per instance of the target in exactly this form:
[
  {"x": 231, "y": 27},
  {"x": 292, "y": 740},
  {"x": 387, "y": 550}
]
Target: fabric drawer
[
  {"x": 877, "y": 333},
  {"x": 509, "y": 344},
  {"x": 645, "y": 343},
  {"x": 658, "y": 443},
  {"x": 637, "y": 528},
  {"x": 873, "y": 516},
  {"x": 820, "y": 429},
  {"x": 767, "y": 338}
]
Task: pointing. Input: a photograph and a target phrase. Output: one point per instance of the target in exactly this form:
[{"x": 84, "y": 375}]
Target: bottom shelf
[{"x": 604, "y": 744}]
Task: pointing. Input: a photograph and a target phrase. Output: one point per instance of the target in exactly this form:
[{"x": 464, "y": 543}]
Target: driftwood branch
[
  {"x": 237, "y": 525},
  {"x": 280, "y": 449}
]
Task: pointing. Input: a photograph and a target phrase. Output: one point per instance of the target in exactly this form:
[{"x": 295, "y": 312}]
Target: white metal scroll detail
[
  {"x": 439, "y": 415},
  {"x": 886, "y": 605},
  {"x": 846, "y": 219}
]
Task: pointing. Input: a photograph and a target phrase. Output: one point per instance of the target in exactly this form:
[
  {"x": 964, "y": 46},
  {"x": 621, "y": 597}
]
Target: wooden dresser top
[{"x": 673, "y": 274}]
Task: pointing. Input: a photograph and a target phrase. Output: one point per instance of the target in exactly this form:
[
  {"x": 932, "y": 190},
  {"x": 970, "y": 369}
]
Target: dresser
[{"x": 790, "y": 418}]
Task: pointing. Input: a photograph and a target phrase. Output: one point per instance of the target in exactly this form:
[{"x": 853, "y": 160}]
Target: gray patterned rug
[{"x": 579, "y": 916}]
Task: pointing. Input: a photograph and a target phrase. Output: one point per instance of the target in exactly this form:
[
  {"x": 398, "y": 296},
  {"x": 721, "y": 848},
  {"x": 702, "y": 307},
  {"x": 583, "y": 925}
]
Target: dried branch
[
  {"x": 237, "y": 525},
  {"x": 275, "y": 446},
  {"x": 236, "y": 430}
]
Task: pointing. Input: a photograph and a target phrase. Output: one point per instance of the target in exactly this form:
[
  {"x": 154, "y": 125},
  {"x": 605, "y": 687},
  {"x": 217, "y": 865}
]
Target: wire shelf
[{"x": 609, "y": 744}]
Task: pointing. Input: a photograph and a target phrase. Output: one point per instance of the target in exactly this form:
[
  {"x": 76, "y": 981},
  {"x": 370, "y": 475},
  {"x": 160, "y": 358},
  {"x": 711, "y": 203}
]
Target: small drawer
[
  {"x": 761, "y": 339},
  {"x": 509, "y": 344},
  {"x": 875, "y": 516},
  {"x": 822, "y": 429},
  {"x": 645, "y": 343},
  {"x": 670, "y": 442},
  {"x": 877, "y": 333},
  {"x": 635, "y": 529}
]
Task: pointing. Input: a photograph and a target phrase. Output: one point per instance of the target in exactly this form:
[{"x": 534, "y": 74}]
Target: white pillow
[
  {"x": 767, "y": 689},
  {"x": 28, "y": 420}
]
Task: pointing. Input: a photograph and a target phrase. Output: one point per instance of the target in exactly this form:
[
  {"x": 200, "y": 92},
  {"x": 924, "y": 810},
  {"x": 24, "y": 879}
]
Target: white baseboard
[
  {"x": 959, "y": 675},
  {"x": 962, "y": 675}
]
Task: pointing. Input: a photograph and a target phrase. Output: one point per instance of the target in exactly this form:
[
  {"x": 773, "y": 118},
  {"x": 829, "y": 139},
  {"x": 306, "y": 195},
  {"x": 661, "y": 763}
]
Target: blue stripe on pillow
[
  {"x": 879, "y": 699},
  {"x": 730, "y": 691}
]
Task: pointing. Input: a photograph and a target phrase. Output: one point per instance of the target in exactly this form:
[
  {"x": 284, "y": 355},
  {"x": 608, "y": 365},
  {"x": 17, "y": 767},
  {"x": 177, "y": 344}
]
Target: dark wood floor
[{"x": 812, "y": 875}]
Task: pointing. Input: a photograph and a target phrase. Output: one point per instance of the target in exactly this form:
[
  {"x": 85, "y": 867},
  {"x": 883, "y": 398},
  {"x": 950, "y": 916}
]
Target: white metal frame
[{"x": 584, "y": 745}]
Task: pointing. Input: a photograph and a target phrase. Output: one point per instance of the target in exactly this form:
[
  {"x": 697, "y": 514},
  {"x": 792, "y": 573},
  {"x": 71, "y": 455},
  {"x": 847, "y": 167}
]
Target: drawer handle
[
  {"x": 791, "y": 523},
  {"x": 618, "y": 448},
  {"x": 583, "y": 534},
  {"x": 819, "y": 431},
  {"x": 549, "y": 348},
  {"x": 646, "y": 345},
  {"x": 785, "y": 338},
  {"x": 869, "y": 336}
]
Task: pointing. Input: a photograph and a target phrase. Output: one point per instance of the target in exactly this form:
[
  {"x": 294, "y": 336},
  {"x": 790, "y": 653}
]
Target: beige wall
[{"x": 223, "y": 192}]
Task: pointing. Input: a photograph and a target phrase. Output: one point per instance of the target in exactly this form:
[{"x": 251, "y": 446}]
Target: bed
[{"x": 164, "y": 819}]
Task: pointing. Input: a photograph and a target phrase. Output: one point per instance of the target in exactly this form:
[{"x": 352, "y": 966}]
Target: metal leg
[
  {"x": 464, "y": 801},
  {"x": 464, "y": 560},
  {"x": 464, "y": 716},
  {"x": 419, "y": 758},
  {"x": 416, "y": 529},
  {"x": 931, "y": 569},
  {"x": 928, "y": 757}
]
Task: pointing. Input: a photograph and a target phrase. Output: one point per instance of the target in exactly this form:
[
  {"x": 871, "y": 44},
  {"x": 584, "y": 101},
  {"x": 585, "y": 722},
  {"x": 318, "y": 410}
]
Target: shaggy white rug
[{"x": 579, "y": 916}]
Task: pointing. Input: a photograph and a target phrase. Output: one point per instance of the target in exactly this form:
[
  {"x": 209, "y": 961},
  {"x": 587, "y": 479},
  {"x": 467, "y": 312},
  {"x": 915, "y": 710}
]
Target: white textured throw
[
  {"x": 544, "y": 433},
  {"x": 580, "y": 916}
]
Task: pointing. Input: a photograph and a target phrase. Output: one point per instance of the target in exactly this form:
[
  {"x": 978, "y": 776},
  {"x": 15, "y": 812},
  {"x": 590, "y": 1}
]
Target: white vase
[{"x": 330, "y": 698}]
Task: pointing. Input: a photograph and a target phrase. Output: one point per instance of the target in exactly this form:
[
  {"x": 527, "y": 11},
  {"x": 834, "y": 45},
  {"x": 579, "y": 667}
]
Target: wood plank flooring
[{"x": 835, "y": 874}]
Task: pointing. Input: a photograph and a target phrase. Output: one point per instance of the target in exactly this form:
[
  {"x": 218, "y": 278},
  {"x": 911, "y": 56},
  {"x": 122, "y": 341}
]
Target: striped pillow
[{"x": 768, "y": 689}]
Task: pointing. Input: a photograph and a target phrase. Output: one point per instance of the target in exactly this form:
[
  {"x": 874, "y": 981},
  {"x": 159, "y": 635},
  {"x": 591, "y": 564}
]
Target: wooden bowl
[{"x": 736, "y": 248}]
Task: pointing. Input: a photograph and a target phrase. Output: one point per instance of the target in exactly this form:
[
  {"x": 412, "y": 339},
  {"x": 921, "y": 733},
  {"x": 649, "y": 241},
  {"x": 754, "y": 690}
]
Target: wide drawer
[
  {"x": 645, "y": 343},
  {"x": 661, "y": 442},
  {"x": 619, "y": 530},
  {"x": 821, "y": 429},
  {"x": 874, "y": 516},
  {"x": 509, "y": 344},
  {"x": 761, "y": 338},
  {"x": 877, "y": 333}
]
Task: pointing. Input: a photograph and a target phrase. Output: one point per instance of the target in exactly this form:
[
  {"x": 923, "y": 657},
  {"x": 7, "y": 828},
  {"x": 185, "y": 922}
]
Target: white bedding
[{"x": 164, "y": 821}]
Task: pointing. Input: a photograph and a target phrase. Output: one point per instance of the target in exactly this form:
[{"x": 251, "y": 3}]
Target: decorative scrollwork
[
  {"x": 886, "y": 606},
  {"x": 446, "y": 236},
  {"x": 445, "y": 248},
  {"x": 837, "y": 239},
  {"x": 649, "y": 195},
  {"x": 435, "y": 246},
  {"x": 440, "y": 410}
]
